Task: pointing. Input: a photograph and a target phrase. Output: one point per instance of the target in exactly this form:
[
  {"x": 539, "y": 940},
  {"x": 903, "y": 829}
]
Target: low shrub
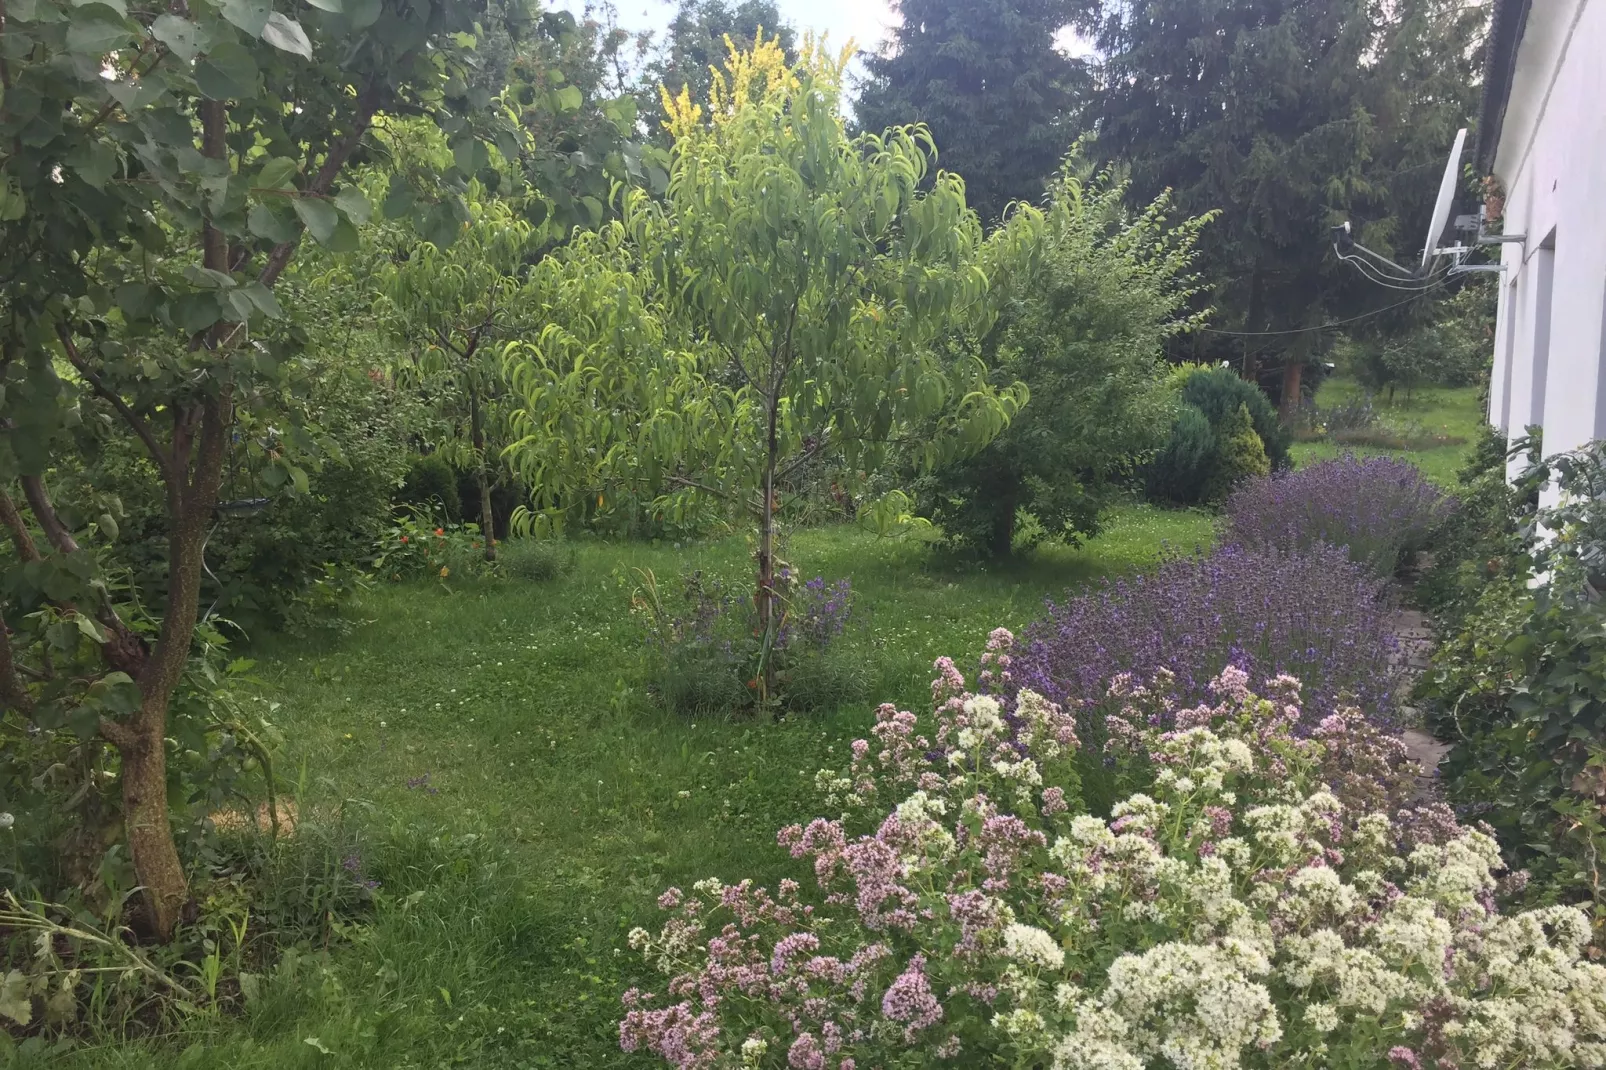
[
  {"x": 1241, "y": 456},
  {"x": 431, "y": 485},
  {"x": 1208, "y": 451},
  {"x": 707, "y": 649},
  {"x": 417, "y": 545},
  {"x": 1377, "y": 509},
  {"x": 532, "y": 560},
  {"x": 1315, "y": 615},
  {"x": 965, "y": 911}
]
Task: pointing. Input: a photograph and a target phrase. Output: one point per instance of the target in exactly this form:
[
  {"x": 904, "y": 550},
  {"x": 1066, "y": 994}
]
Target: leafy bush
[
  {"x": 967, "y": 911},
  {"x": 1314, "y": 615},
  {"x": 1519, "y": 686},
  {"x": 416, "y": 545},
  {"x": 708, "y": 649},
  {"x": 1481, "y": 541},
  {"x": 1195, "y": 466},
  {"x": 431, "y": 484},
  {"x": 1083, "y": 326},
  {"x": 1377, "y": 509}
]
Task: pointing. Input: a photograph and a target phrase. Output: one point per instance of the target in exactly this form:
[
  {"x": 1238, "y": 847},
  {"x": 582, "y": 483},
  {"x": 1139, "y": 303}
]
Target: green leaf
[
  {"x": 137, "y": 299},
  {"x": 345, "y": 238},
  {"x": 354, "y": 203},
  {"x": 12, "y": 202},
  {"x": 94, "y": 161},
  {"x": 217, "y": 81},
  {"x": 184, "y": 39},
  {"x": 196, "y": 312},
  {"x": 118, "y": 6},
  {"x": 399, "y": 199},
  {"x": 238, "y": 307},
  {"x": 319, "y": 216},
  {"x": 95, "y": 33},
  {"x": 277, "y": 173},
  {"x": 286, "y": 34},
  {"x": 249, "y": 15},
  {"x": 298, "y": 476},
  {"x": 363, "y": 13},
  {"x": 334, "y": 6},
  {"x": 568, "y": 98},
  {"x": 439, "y": 225},
  {"x": 274, "y": 223},
  {"x": 263, "y": 298}
]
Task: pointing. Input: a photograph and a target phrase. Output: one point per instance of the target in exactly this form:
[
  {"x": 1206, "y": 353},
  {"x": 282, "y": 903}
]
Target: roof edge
[{"x": 1506, "y": 27}]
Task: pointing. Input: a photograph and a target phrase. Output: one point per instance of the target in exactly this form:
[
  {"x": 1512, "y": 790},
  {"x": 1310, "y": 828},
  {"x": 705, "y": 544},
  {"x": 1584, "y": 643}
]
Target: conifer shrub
[{"x": 431, "y": 484}]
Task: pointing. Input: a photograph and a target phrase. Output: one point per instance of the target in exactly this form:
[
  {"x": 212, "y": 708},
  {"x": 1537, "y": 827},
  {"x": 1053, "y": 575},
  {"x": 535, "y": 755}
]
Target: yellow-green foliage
[{"x": 1243, "y": 455}]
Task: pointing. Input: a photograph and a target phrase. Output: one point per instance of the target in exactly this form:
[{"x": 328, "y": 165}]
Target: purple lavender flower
[
  {"x": 1375, "y": 508},
  {"x": 1314, "y": 615}
]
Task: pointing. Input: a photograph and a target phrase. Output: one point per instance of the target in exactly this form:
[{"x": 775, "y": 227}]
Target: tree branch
[
  {"x": 130, "y": 417},
  {"x": 333, "y": 161},
  {"x": 39, "y": 501},
  {"x": 21, "y": 537},
  {"x": 13, "y": 692}
]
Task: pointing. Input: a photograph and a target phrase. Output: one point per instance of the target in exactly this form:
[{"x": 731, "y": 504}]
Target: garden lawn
[
  {"x": 1457, "y": 412},
  {"x": 522, "y": 802}
]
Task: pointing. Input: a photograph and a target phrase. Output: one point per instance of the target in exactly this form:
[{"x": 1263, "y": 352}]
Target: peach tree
[{"x": 777, "y": 308}]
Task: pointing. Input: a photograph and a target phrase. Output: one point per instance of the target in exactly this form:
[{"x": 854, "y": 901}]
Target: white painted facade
[{"x": 1550, "y": 338}]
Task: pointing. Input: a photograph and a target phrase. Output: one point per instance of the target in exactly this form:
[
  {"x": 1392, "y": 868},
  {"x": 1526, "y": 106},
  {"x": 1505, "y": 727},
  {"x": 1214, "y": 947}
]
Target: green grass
[
  {"x": 1453, "y": 411},
  {"x": 560, "y": 802}
]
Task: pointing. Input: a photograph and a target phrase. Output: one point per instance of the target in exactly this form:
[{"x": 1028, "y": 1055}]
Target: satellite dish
[{"x": 1442, "y": 206}]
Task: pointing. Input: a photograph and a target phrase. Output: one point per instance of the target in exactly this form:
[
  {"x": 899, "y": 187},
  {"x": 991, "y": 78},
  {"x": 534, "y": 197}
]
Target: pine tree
[
  {"x": 986, "y": 78},
  {"x": 1290, "y": 116}
]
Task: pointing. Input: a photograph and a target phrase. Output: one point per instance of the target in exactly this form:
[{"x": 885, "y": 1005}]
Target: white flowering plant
[{"x": 1259, "y": 905}]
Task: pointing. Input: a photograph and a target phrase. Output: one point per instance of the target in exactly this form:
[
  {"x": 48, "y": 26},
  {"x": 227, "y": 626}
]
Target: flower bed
[
  {"x": 1313, "y": 615},
  {"x": 1264, "y": 903}
]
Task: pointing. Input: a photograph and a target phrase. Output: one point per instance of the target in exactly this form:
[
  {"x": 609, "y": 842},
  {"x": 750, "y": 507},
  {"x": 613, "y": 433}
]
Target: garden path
[{"x": 1413, "y": 648}]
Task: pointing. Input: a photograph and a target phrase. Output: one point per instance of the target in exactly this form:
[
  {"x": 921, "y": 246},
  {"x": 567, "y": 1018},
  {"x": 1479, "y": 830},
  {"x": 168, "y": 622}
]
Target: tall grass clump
[
  {"x": 1315, "y": 615},
  {"x": 1377, "y": 509}
]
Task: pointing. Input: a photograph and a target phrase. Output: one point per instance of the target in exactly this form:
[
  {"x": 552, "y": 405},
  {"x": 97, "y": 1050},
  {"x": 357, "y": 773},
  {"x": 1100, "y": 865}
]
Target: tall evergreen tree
[
  {"x": 1289, "y": 116},
  {"x": 986, "y": 78}
]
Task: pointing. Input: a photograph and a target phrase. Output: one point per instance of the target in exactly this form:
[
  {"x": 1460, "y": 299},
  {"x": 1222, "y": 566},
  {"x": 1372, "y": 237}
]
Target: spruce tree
[
  {"x": 1290, "y": 116},
  {"x": 986, "y": 78}
]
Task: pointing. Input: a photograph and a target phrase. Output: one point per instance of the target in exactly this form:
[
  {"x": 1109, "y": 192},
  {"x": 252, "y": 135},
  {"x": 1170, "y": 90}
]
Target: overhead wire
[{"x": 1323, "y": 326}]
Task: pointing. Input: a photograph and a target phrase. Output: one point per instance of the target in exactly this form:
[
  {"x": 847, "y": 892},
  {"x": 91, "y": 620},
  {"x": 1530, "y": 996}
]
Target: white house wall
[{"x": 1552, "y": 160}]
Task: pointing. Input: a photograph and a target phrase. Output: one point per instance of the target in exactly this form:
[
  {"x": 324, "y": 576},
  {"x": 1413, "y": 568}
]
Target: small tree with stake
[
  {"x": 778, "y": 307},
  {"x": 158, "y": 166}
]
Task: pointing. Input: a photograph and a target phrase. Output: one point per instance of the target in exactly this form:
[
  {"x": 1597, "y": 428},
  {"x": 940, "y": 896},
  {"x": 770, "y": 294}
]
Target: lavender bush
[
  {"x": 1376, "y": 508},
  {"x": 1313, "y": 615},
  {"x": 708, "y": 649}
]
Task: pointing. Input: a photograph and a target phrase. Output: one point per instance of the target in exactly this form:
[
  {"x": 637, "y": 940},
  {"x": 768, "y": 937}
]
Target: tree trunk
[
  {"x": 1002, "y": 538},
  {"x": 1293, "y": 373},
  {"x": 766, "y": 552},
  {"x": 476, "y": 425},
  {"x": 146, "y": 823}
]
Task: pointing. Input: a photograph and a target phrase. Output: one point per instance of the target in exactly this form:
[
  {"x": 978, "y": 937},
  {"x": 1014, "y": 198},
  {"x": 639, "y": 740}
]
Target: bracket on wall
[{"x": 1485, "y": 238}]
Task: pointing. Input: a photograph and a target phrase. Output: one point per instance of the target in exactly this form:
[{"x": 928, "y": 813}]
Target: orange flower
[
  {"x": 440, "y": 531},
  {"x": 404, "y": 538},
  {"x": 752, "y": 685}
]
